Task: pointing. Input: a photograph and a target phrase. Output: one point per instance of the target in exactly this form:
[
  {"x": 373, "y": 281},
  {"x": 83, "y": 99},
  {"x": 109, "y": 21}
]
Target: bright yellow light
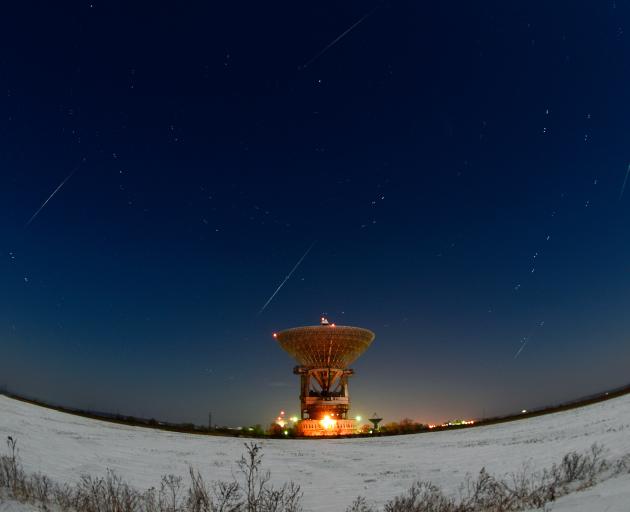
[
  {"x": 281, "y": 422},
  {"x": 327, "y": 423},
  {"x": 294, "y": 419},
  {"x": 359, "y": 418}
]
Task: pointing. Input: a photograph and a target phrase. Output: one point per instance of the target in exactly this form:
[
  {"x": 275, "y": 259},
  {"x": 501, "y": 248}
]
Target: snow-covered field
[
  {"x": 331, "y": 472},
  {"x": 14, "y": 506}
]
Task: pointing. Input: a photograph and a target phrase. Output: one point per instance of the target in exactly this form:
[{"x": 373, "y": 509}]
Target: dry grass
[
  {"x": 251, "y": 491},
  {"x": 519, "y": 491}
]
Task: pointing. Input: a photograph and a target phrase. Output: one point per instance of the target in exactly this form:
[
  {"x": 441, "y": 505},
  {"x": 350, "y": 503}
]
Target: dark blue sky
[{"x": 458, "y": 166}]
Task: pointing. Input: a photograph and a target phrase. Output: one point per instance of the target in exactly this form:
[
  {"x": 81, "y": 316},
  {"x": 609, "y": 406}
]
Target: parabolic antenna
[{"x": 325, "y": 346}]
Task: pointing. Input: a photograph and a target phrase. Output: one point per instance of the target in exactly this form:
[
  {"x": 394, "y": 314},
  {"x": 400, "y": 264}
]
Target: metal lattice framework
[{"x": 325, "y": 346}]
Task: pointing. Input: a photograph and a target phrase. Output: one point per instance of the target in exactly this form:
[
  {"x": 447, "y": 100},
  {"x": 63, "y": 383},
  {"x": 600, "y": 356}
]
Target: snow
[
  {"x": 15, "y": 506},
  {"x": 609, "y": 496},
  {"x": 331, "y": 472}
]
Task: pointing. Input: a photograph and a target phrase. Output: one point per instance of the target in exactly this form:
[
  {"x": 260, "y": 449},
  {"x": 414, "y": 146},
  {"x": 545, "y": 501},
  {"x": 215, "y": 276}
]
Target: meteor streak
[
  {"x": 54, "y": 192},
  {"x": 286, "y": 278},
  {"x": 520, "y": 349},
  {"x": 525, "y": 339},
  {"x": 625, "y": 180},
  {"x": 337, "y": 39}
]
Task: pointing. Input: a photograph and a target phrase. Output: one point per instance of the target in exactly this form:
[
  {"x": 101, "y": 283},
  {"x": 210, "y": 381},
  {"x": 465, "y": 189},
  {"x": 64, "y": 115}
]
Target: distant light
[
  {"x": 294, "y": 419},
  {"x": 359, "y": 418},
  {"x": 327, "y": 423},
  {"x": 281, "y": 413},
  {"x": 275, "y": 334},
  {"x": 286, "y": 432},
  {"x": 332, "y": 325},
  {"x": 524, "y": 411},
  {"x": 455, "y": 423}
]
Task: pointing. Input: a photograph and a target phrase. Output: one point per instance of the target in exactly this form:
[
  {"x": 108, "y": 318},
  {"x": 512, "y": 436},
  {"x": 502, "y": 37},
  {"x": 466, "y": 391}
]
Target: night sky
[{"x": 459, "y": 167}]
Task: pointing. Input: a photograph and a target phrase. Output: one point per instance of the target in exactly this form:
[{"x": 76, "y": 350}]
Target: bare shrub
[
  {"x": 622, "y": 465},
  {"x": 12, "y": 475},
  {"x": 41, "y": 488},
  {"x": 422, "y": 497},
  {"x": 488, "y": 493},
  {"x": 149, "y": 500},
  {"x": 170, "y": 493},
  {"x": 360, "y": 505},
  {"x": 253, "y": 493},
  {"x": 63, "y": 497},
  {"x": 260, "y": 496},
  {"x": 199, "y": 498},
  {"x": 228, "y": 497},
  {"x": 522, "y": 490},
  {"x": 584, "y": 467},
  {"x": 8, "y": 467}
]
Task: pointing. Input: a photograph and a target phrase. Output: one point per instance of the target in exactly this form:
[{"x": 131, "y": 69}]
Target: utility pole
[{"x": 209, "y": 420}]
